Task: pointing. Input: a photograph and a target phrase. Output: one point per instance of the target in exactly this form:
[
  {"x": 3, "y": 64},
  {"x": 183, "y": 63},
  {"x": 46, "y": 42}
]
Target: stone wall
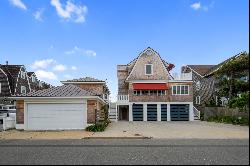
[
  {"x": 20, "y": 112},
  {"x": 223, "y": 111}
]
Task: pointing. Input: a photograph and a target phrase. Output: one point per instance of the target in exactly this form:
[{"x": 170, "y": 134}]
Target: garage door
[
  {"x": 152, "y": 112},
  {"x": 179, "y": 112},
  {"x": 164, "y": 108},
  {"x": 56, "y": 116},
  {"x": 137, "y": 112}
]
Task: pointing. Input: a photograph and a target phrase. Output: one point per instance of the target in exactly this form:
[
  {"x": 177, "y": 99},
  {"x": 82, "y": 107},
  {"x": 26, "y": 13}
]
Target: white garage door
[{"x": 56, "y": 116}]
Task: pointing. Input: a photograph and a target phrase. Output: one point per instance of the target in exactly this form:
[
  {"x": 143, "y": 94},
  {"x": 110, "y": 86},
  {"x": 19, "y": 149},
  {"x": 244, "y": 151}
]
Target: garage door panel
[
  {"x": 179, "y": 112},
  {"x": 55, "y": 116}
]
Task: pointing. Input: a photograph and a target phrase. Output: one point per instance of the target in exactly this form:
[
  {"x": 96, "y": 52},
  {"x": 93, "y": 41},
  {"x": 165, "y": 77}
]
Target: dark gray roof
[
  {"x": 60, "y": 91},
  {"x": 201, "y": 69},
  {"x": 85, "y": 79}
]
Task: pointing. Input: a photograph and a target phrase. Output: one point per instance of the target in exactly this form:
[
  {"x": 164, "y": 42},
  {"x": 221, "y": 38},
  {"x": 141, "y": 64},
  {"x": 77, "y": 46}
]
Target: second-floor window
[
  {"x": 148, "y": 69},
  {"x": 23, "y": 90},
  {"x": 180, "y": 90}
]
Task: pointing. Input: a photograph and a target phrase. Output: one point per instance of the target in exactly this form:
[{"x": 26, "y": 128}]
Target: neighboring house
[
  {"x": 14, "y": 80},
  {"x": 205, "y": 84},
  {"x": 96, "y": 86},
  {"x": 147, "y": 91},
  {"x": 58, "y": 108}
]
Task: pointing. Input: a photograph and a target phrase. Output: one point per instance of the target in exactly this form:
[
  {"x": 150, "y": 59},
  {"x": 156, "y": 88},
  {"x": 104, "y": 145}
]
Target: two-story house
[
  {"x": 148, "y": 92},
  {"x": 15, "y": 80},
  {"x": 205, "y": 83}
]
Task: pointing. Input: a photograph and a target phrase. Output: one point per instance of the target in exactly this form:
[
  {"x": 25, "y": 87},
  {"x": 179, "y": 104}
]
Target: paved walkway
[{"x": 175, "y": 130}]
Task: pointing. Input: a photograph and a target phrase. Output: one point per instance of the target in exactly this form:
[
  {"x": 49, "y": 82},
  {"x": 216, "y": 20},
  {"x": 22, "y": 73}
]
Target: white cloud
[
  {"x": 60, "y": 68},
  {"x": 47, "y": 75},
  {"x": 199, "y": 6},
  {"x": 19, "y": 4},
  {"x": 74, "y": 68},
  {"x": 70, "y": 11},
  {"x": 38, "y": 14},
  {"x": 42, "y": 63},
  {"x": 196, "y": 6},
  {"x": 77, "y": 50}
]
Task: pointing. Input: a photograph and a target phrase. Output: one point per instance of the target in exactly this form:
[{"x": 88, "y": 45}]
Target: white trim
[
  {"x": 152, "y": 71},
  {"x": 176, "y": 81},
  {"x": 145, "y": 111},
  {"x": 18, "y": 79},
  {"x": 158, "y": 112},
  {"x": 20, "y": 126},
  {"x": 198, "y": 100},
  {"x": 180, "y": 90},
  {"x": 192, "y": 70},
  {"x": 148, "y": 81}
]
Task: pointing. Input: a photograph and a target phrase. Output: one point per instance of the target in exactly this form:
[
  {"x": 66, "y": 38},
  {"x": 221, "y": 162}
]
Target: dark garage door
[
  {"x": 137, "y": 112},
  {"x": 179, "y": 112},
  {"x": 152, "y": 112},
  {"x": 163, "y": 112}
]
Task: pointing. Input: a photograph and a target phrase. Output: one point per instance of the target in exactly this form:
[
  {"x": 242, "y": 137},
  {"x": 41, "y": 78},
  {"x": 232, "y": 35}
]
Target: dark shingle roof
[
  {"x": 85, "y": 79},
  {"x": 201, "y": 69},
  {"x": 60, "y": 91},
  {"x": 13, "y": 70},
  {"x": 30, "y": 73}
]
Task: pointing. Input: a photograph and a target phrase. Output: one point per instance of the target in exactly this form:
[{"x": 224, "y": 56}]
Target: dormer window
[
  {"x": 148, "y": 69},
  {"x": 33, "y": 79},
  {"x": 23, "y": 75},
  {"x": 198, "y": 85},
  {"x": 23, "y": 90}
]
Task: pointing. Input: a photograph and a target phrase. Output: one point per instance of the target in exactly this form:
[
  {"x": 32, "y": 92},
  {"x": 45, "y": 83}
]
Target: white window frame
[
  {"x": 151, "y": 69},
  {"x": 33, "y": 79},
  {"x": 22, "y": 89},
  {"x": 198, "y": 100},
  {"x": 180, "y": 89},
  {"x": 198, "y": 85}
]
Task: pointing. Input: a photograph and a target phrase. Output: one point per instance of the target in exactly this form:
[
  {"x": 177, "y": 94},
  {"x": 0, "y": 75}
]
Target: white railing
[
  {"x": 182, "y": 76},
  {"x": 8, "y": 122},
  {"x": 122, "y": 98},
  {"x": 197, "y": 113}
]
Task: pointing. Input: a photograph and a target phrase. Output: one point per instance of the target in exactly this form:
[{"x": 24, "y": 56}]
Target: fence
[
  {"x": 8, "y": 122},
  {"x": 223, "y": 111}
]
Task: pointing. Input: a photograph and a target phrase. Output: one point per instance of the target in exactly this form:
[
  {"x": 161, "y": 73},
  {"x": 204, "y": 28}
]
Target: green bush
[
  {"x": 98, "y": 127},
  {"x": 240, "y": 102},
  {"x": 229, "y": 120}
]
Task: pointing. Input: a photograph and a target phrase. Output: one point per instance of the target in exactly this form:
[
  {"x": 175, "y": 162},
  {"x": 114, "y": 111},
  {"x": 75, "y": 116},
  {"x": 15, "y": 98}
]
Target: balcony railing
[
  {"x": 122, "y": 98},
  {"x": 182, "y": 76}
]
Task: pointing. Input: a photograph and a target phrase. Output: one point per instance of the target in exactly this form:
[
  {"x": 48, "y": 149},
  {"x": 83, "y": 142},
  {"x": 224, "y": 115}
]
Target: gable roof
[
  {"x": 134, "y": 61},
  {"x": 12, "y": 70},
  {"x": 201, "y": 69},
  {"x": 84, "y": 79},
  {"x": 60, "y": 91}
]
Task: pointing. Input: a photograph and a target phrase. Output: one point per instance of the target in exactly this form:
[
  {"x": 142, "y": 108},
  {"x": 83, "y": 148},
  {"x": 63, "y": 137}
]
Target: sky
[{"x": 65, "y": 39}]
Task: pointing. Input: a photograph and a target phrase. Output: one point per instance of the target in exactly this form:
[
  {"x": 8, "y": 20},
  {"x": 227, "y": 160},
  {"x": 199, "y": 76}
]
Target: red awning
[{"x": 150, "y": 86}]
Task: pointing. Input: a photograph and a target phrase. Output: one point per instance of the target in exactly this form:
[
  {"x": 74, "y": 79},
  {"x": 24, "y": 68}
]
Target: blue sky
[{"x": 63, "y": 39}]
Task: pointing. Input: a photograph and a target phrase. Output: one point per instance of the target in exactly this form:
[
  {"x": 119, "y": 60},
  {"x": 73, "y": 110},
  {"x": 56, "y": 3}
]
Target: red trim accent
[{"x": 150, "y": 86}]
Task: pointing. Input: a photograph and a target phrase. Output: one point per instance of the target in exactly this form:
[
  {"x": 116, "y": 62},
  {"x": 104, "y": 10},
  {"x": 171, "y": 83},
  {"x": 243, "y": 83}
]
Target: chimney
[{"x": 7, "y": 62}]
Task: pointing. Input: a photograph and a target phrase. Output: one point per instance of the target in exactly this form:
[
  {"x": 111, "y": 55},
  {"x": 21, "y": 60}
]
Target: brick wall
[
  {"x": 164, "y": 98},
  {"x": 20, "y": 112}
]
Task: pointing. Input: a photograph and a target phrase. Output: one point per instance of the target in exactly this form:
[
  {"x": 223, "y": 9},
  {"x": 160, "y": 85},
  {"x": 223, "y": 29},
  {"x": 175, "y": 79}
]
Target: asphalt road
[{"x": 226, "y": 152}]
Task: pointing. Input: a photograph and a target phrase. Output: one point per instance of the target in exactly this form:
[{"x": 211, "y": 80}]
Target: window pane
[
  {"x": 174, "y": 90},
  {"x": 148, "y": 69},
  {"x": 178, "y": 89},
  {"x": 182, "y": 90},
  {"x": 186, "y": 89}
]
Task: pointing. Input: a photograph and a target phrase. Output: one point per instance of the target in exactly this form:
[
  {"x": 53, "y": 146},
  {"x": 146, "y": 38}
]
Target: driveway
[{"x": 175, "y": 130}]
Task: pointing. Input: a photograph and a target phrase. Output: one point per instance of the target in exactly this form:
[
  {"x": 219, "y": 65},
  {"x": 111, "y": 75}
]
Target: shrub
[
  {"x": 230, "y": 120},
  {"x": 240, "y": 102},
  {"x": 97, "y": 127}
]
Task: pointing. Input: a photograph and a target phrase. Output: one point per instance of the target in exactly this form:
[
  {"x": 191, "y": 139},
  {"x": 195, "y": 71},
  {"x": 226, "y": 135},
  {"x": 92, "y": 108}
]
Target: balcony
[
  {"x": 182, "y": 76},
  {"x": 122, "y": 98}
]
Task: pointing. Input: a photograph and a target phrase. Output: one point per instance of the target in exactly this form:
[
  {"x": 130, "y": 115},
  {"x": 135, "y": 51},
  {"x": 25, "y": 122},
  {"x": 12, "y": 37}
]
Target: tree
[{"x": 232, "y": 70}]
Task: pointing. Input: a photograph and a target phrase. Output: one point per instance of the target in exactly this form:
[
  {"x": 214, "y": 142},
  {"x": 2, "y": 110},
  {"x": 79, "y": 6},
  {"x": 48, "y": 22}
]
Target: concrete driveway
[{"x": 175, "y": 130}]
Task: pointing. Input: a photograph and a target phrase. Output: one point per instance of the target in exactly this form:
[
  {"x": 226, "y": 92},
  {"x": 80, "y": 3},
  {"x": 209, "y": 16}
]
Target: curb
[{"x": 117, "y": 138}]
